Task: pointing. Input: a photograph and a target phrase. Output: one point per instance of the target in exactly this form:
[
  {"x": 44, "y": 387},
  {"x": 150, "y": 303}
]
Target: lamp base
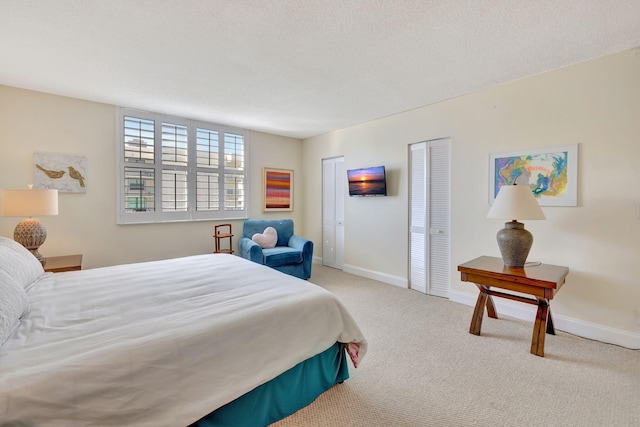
[
  {"x": 31, "y": 234},
  {"x": 514, "y": 243}
]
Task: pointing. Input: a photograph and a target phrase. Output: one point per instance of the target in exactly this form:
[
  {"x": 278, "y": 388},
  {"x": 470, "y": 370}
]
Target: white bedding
[{"x": 160, "y": 343}]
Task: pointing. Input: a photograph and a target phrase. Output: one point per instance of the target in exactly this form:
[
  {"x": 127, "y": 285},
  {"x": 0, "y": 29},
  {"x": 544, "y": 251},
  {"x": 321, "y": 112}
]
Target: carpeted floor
[{"x": 423, "y": 368}]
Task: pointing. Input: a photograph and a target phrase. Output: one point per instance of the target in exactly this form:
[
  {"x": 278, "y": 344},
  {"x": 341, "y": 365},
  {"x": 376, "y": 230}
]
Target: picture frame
[
  {"x": 551, "y": 172},
  {"x": 65, "y": 172},
  {"x": 277, "y": 193}
]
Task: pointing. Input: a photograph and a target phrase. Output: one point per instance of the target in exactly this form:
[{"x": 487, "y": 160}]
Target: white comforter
[{"x": 160, "y": 343}]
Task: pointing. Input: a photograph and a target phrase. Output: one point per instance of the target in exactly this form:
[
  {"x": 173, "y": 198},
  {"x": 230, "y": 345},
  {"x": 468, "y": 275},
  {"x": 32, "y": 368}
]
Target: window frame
[{"x": 191, "y": 214}]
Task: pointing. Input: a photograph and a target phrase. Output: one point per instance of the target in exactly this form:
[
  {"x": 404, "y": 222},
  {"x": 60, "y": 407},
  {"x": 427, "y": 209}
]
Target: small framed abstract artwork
[
  {"x": 551, "y": 173},
  {"x": 65, "y": 172},
  {"x": 277, "y": 190}
]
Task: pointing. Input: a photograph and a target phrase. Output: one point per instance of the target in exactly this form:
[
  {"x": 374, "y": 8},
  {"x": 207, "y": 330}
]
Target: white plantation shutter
[
  {"x": 174, "y": 149},
  {"x": 137, "y": 187},
  {"x": 429, "y": 232},
  {"x": 207, "y": 170},
  {"x": 234, "y": 172},
  {"x": 175, "y": 169}
]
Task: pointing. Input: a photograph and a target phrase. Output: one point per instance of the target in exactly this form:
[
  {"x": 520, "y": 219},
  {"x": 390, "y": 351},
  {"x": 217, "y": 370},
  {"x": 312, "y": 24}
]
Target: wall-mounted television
[{"x": 367, "y": 181}]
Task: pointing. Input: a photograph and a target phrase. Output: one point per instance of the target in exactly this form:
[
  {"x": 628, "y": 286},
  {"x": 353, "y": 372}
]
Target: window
[
  {"x": 136, "y": 184},
  {"x": 174, "y": 169}
]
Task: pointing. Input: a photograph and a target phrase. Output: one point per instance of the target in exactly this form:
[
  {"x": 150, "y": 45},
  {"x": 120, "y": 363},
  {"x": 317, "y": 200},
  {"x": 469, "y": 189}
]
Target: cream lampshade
[
  {"x": 29, "y": 232},
  {"x": 515, "y": 202}
]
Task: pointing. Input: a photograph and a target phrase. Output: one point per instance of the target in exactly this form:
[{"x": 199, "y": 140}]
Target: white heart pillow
[{"x": 267, "y": 239}]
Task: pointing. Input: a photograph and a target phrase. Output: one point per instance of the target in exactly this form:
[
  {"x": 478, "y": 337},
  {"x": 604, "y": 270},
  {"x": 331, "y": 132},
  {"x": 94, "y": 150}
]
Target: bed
[{"x": 201, "y": 340}]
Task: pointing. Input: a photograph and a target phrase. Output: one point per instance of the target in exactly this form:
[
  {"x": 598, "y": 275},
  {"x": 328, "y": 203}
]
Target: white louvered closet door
[
  {"x": 430, "y": 217},
  {"x": 340, "y": 189},
  {"x": 333, "y": 187}
]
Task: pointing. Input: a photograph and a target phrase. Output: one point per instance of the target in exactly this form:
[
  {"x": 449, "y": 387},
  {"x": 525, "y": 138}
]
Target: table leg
[
  {"x": 491, "y": 309},
  {"x": 478, "y": 312},
  {"x": 550, "y": 329},
  {"x": 539, "y": 328}
]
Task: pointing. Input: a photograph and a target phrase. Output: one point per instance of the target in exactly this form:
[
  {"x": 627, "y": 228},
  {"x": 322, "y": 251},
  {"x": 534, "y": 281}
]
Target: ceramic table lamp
[
  {"x": 29, "y": 232},
  {"x": 515, "y": 202}
]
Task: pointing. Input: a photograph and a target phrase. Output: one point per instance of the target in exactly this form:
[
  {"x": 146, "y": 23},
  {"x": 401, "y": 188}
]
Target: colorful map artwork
[{"x": 545, "y": 173}]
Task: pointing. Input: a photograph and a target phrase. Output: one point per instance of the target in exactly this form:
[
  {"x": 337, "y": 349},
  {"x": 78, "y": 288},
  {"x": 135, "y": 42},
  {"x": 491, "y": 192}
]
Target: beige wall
[
  {"x": 594, "y": 104},
  {"x": 33, "y": 121}
]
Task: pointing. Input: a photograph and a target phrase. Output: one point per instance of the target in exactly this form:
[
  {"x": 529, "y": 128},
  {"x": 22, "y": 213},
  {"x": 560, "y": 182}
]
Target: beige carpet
[{"x": 423, "y": 368}]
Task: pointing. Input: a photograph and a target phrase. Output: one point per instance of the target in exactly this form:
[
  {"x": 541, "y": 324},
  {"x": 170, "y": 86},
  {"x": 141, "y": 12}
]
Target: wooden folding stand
[{"x": 221, "y": 232}]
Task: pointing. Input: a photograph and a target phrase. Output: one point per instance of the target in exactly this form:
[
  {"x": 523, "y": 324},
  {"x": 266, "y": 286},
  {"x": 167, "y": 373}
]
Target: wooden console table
[{"x": 542, "y": 281}]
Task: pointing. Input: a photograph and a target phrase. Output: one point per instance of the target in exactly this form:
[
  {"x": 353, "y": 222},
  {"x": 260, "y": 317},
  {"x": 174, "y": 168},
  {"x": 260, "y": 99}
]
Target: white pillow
[
  {"x": 267, "y": 239},
  {"x": 14, "y": 304},
  {"x": 18, "y": 262}
]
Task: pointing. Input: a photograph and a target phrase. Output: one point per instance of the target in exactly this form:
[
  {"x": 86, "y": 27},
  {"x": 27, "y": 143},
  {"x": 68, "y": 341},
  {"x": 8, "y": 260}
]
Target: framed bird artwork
[{"x": 65, "y": 172}]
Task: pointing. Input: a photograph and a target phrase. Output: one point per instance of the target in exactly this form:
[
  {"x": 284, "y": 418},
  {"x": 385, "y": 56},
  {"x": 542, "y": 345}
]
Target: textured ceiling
[{"x": 297, "y": 67}]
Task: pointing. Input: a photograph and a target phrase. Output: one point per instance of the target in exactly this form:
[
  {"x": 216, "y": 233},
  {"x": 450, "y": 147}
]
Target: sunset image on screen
[{"x": 367, "y": 182}]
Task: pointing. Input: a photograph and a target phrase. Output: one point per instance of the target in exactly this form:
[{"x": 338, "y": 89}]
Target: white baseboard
[
  {"x": 562, "y": 323},
  {"x": 519, "y": 311},
  {"x": 401, "y": 282},
  {"x": 370, "y": 274}
]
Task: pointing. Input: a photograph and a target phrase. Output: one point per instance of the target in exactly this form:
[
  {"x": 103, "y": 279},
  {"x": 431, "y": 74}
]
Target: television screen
[{"x": 367, "y": 181}]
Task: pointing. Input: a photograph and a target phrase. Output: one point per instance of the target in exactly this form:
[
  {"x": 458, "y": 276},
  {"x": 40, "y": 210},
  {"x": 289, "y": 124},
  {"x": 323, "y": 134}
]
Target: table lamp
[
  {"x": 29, "y": 232},
  {"x": 515, "y": 202}
]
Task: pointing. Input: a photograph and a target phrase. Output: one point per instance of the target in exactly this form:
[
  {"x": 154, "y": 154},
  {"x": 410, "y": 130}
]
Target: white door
[
  {"x": 430, "y": 217},
  {"x": 333, "y": 179}
]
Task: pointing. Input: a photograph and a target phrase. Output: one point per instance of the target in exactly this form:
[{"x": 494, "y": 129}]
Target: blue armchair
[{"x": 291, "y": 255}]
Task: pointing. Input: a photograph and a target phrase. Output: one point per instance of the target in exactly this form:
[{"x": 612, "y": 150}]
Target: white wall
[
  {"x": 595, "y": 104},
  {"x": 32, "y": 121}
]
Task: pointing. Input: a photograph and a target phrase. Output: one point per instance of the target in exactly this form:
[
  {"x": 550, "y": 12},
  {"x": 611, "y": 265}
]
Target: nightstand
[{"x": 58, "y": 264}]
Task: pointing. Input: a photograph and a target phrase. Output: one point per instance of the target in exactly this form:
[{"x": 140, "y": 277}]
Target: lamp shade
[
  {"x": 515, "y": 202},
  {"x": 28, "y": 202}
]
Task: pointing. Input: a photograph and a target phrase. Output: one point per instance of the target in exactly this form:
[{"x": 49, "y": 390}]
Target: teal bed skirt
[{"x": 285, "y": 394}]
